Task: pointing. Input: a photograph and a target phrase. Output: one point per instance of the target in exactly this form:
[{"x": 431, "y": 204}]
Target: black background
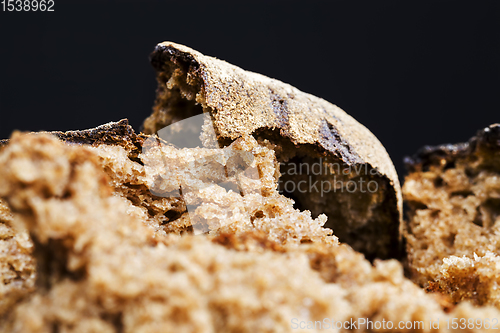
[{"x": 413, "y": 72}]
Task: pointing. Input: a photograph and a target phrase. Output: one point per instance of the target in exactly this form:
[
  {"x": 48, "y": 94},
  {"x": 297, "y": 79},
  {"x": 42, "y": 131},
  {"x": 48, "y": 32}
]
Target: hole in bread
[
  {"x": 493, "y": 206},
  {"x": 172, "y": 215},
  {"x": 488, "y": 213},
  {"x": 449, "y": 165},
  {"x": 435, "y": 213},
  {"x": 258, "y": 215},
  {"x": 438, "y": 181},
  {"x": 470, "y": 172},
  {"x": 478, "y": 219},
  {"x": 449, "y": 240},
  {"x": 415, "y": 205},
  {"x": 52, "y": 261},
  {"x": 463, "y": 193}
]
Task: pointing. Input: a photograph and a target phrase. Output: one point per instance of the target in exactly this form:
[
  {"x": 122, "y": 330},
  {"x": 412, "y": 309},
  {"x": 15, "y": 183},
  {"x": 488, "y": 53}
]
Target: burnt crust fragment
[
  {"x": 118, "y": 133},
  {"x": 114, "y": 133},
  {"x": 485, "y": 140},
  {"x": 301, "y": 127}
]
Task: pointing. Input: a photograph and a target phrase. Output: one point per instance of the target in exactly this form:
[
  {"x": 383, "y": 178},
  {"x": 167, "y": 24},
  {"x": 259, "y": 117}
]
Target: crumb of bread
[
  {"x": 103, "y": 268},
  {"x": 453, "y": 195},
  {"x": 17, "y": 265}
]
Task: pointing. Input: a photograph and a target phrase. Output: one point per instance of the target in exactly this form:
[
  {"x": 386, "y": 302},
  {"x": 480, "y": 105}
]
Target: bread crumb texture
[
  {"x": 107, "y": 261},
  {"x": 17, "y": 266},
  {"x": 453, "y": 229}
]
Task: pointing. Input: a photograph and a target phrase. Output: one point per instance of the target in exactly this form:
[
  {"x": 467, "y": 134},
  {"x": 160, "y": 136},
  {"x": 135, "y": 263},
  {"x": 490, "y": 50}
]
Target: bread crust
[{"x": 245, "y": 103}]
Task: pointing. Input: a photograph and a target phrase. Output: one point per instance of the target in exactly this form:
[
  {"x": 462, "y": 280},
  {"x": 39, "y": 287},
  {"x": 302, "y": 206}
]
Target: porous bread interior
[
  {"x": 17, "y": 266},
  {"x": 359, "y": 218},
  {"x": 199, "y": 170},
  {"x": 116, "y": 272},
  {"x": 453, "y": 232}
]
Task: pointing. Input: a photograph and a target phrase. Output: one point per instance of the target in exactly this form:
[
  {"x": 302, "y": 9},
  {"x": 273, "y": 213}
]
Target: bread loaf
[{"x": 109, "y": 219}]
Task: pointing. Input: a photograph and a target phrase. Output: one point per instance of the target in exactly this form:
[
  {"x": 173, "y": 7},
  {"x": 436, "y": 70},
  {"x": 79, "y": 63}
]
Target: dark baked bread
[
  {"x": 114, "y": 254},
  {"x": 453, "y": 230},
  {"x": 103, "y": 266}
]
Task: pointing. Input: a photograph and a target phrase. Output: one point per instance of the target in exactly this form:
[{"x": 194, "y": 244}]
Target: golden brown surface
[
  {"x": 304, "y": 128},
  {"x": 453, "y": 234}
]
